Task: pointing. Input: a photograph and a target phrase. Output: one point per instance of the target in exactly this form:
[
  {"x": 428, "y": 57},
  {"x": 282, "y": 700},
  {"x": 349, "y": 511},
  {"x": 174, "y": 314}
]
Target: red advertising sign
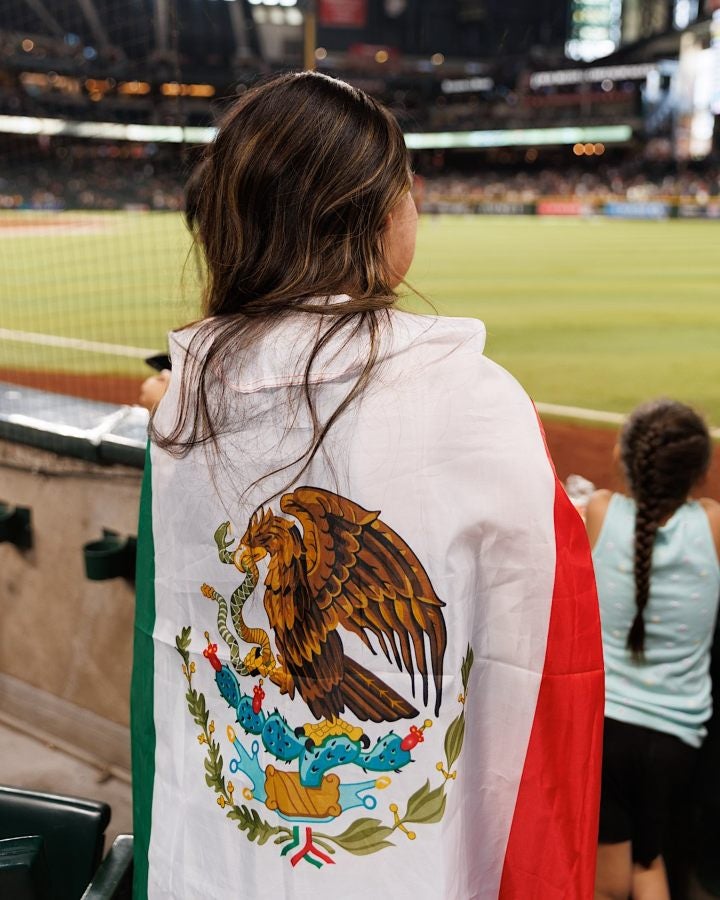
[
  {"x": 342, "y": 13},
  {"x": 561, "y": 208}
]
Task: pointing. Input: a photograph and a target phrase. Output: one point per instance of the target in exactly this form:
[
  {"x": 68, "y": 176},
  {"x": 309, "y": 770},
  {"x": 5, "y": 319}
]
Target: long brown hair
[
  {"x": 287, "y": 205},
  {"x": 665, "y": 450}
]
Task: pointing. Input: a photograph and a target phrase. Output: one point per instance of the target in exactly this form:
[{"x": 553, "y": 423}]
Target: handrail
[{"x": 73, "y": 426}]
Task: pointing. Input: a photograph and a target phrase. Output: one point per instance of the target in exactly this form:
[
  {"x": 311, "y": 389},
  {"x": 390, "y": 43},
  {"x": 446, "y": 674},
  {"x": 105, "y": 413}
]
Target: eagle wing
[{"x": 363, "y": 576}]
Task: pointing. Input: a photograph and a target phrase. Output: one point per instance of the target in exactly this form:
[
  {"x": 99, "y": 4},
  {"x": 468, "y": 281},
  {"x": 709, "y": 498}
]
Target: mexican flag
[{"x": 383, "y": 677}]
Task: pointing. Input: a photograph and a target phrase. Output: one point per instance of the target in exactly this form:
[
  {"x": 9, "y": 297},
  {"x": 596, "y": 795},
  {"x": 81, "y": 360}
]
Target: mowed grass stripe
[{"x": 597, "y": 314}]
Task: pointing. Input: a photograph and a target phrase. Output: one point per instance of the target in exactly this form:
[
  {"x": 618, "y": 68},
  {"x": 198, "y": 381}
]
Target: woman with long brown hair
[
  {"x": 656, "y": 560},
  {"x": 367, "y": 656}
]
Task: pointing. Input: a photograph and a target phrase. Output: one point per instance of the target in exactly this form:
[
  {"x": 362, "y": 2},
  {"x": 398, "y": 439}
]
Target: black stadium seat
[{"x": 65, "y": 863}]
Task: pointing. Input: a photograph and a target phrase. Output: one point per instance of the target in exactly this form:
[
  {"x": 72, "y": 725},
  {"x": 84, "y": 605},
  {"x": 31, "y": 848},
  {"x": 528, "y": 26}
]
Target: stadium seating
[{"x": 51, "y": 846}]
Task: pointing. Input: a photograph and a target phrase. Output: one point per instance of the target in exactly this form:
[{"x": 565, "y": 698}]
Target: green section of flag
[{"x": 143, "y": 680}]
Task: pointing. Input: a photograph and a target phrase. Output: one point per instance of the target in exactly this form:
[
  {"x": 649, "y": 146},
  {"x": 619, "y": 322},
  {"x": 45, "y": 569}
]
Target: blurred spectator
[
  {"x": 69, "y": 178},
  {"x": 58, "y": 173},
  {"x": 611, "y": 182},
  {"x": 656, "y": 561}
]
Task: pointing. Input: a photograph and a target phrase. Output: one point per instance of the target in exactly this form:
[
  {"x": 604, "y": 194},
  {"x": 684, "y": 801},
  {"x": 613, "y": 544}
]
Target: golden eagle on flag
[{"x": 346, "y": 570}]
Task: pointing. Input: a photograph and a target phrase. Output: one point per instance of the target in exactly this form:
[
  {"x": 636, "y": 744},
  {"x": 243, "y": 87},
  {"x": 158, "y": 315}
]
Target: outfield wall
[{"x": 651, "y": 210}]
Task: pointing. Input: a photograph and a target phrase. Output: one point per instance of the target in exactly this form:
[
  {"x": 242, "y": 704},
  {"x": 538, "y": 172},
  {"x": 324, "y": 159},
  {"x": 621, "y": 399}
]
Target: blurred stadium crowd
[
  {"x": 76, "y": 175},
  {"x": 629, "y": 181},
  {"x": 76, "y": 182}
]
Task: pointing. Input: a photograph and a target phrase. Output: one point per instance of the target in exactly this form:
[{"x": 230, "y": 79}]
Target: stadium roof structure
[
  {"x": 209, "y": 33},
  {"x": 664, "y": 45}
]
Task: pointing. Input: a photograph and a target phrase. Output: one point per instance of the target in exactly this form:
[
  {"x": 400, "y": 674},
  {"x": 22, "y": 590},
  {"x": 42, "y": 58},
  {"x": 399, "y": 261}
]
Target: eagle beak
[{"x": 246, "y": 558}]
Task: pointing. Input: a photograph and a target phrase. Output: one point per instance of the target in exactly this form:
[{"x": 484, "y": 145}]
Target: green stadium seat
[{"x": 51, "y": 846}]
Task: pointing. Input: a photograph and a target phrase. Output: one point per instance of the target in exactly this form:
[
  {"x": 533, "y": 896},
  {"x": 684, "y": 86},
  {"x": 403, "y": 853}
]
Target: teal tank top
[{"x": 671, "y": 690}]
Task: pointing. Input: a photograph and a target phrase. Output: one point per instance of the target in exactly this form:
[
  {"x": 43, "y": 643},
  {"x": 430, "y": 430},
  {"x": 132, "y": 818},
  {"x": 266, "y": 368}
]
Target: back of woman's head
[
  {"x": 290, "y": 203},
  {"x": 665, "y": 450},
  {"x": 291, "y": 198}
]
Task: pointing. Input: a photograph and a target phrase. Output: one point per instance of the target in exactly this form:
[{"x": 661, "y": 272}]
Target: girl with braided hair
[{"x": 656, "y": 561}]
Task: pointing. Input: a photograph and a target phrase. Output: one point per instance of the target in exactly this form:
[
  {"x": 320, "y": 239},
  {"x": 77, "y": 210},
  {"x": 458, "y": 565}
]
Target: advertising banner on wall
[
  {"x": 342, "y": 13},
  {"x": 650, "y": 209},
  {"x": 562, "y": 207},
  {"x": 693, "y": 210}
]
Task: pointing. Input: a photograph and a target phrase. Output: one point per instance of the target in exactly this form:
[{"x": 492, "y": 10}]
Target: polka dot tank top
[{"x": 671, "y": 690}]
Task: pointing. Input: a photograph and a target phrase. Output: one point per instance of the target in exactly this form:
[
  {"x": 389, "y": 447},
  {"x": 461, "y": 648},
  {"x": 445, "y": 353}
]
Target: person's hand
[{"x": 153, "y": 390}]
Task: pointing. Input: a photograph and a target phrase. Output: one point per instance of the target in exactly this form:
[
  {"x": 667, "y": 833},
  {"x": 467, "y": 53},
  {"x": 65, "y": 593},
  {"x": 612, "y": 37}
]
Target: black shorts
[{"x": 646, "y": 782}]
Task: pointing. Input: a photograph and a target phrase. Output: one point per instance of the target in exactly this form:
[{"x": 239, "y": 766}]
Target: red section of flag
[
  {"x": 342, "y": 13},
  {"x": 553, "y": 838}
]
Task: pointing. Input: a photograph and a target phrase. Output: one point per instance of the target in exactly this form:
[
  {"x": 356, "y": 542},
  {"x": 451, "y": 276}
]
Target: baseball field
[{"x": 597, "y": 314}]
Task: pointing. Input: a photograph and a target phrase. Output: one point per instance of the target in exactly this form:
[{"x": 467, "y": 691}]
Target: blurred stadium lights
[
  {"x": 519, "y": 137},
  {"x": 114, "y": 131},
  {"x": 277, "y": 15},
  {"x": 134, "y": 87},
  {"x": 175, "y": 89},
  {"x": 595, "y": 29},
  {"x": 684, "y": 13},
  {"x": 589, "y": 149},
  {"x": 394, "y": 8},
  {"x": 175, "y": 134},
  {"x": 715, "y": 47}
]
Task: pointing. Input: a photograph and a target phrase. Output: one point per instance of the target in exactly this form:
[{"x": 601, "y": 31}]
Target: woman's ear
[{"x": 398, "y": 238}]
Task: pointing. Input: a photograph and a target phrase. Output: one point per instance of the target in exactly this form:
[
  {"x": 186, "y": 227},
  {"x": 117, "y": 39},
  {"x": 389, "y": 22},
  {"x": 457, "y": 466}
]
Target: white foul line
[
  {"x": 578, "y": 412},
  {"x": 55, "y": 340},
  {"x": 594, "y": 415}
]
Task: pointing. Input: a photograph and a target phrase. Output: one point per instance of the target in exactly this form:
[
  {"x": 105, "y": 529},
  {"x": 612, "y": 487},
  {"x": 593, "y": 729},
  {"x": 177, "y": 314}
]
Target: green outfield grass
[{"x": 598, "y": 314}]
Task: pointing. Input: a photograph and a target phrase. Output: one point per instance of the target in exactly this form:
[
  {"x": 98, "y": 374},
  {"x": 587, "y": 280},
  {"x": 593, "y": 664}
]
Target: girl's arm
[
  {"x": 595, "y": 514},
  {"x": 712, "y": 509}
]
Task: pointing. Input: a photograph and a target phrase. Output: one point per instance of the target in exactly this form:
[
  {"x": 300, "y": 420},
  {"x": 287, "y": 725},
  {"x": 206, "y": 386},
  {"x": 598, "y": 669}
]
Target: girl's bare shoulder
[
  {"x": 595, "y": 513},
  {"x": 712, "y": 510}
]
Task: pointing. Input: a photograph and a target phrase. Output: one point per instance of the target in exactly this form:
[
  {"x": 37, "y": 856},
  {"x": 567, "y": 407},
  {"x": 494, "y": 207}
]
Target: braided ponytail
[
  {"x": 665, "y": 450},
  {"x": 646, "y": 526}
]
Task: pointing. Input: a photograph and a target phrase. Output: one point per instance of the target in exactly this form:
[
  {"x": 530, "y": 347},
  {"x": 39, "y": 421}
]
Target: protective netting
[{"x": 92, "y": 244}]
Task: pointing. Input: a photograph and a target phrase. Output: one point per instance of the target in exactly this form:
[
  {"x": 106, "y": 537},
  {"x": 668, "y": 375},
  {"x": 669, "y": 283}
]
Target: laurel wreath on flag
[{"x": 365, "y": 835}]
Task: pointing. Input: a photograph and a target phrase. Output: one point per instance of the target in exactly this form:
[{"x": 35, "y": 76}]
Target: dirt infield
[
  {"x": 109, "y": 388},
  {"x": 587, "y": 451},
  {"x": 42, "y": 224},
  {"x": 575, "y": 449}
]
